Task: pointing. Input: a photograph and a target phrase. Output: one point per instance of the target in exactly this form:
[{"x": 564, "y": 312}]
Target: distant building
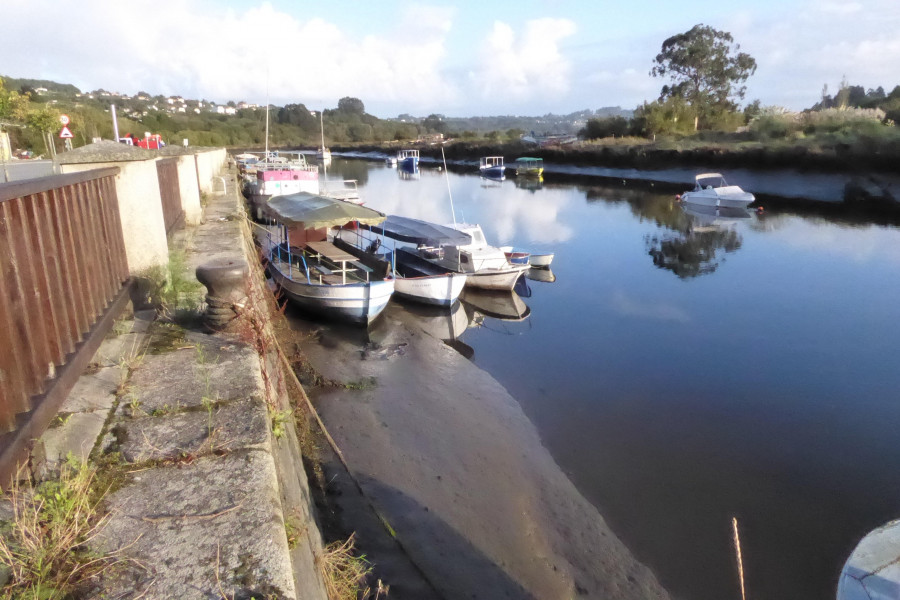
[{"x": 229, "y": 110}]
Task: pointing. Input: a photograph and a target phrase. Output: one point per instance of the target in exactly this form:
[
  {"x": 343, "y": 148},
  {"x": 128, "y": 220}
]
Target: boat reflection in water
[
  {"x": 542, "y": 275},
  {"x": 492, "y": 182},
  {"x": 692, "y": 250},
  {"x": 531, "y": 184},
  {"x": 497, "y": 304},
  {"x": 441, "y": 323},
  {"x": 714, "y": 216},
  {"x": 408, "y": 175}
]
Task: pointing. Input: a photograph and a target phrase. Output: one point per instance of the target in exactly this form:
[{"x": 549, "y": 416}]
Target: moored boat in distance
[
  {"x": 711, "y": 189},
  {"x": 540, "y": 260},
  {"x": 528, "y": 166},
  {"x": 492, "y": 167},
  {"x": 278, "y": 175},
  {"x": 408, "y": 160},
  {"x": 312, "y": 272},
  {"x": 524, "y": 257}
]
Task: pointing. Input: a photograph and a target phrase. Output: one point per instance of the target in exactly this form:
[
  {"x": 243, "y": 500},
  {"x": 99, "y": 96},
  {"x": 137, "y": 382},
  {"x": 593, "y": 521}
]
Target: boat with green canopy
[
  {"x": 528, "y": 166},
  {"x": 314, "y": 273}
]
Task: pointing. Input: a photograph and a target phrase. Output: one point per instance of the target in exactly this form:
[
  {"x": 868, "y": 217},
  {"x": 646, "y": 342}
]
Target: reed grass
[
  {"x": 44, "y": 546},
  {"x": 345, "y": 573}
]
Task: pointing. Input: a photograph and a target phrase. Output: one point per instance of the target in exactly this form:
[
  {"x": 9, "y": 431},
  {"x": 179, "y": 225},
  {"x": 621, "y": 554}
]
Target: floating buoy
[
  {"x": 760, "y": 209},
  {"x": 678, "y": 197}
]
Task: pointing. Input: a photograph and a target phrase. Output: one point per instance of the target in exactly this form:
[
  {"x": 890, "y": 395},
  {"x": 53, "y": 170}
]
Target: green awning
[
  {"x": 528, "y": 159},
  {"x": 314, "y": 212}
]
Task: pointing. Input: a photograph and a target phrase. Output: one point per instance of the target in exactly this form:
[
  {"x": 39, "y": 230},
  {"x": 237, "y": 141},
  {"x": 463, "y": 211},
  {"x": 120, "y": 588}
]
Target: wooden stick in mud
[{"x": 737, "y": 549}]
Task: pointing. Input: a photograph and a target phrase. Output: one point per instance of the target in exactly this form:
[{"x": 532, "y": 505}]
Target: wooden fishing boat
[{"x": 313, "y": 273}]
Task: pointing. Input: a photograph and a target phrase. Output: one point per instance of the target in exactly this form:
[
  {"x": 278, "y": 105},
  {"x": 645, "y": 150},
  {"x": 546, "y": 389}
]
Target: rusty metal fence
[
  {"x": 169, "y": 192},
  {"x": 63, "y": 280}
]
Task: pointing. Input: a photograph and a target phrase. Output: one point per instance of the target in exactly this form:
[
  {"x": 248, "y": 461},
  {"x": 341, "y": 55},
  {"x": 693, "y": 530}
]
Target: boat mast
[
  {"x": 267, "y": 115},
  {"x": 447, "y": 175},
  {"x": 324, "y": 162}
]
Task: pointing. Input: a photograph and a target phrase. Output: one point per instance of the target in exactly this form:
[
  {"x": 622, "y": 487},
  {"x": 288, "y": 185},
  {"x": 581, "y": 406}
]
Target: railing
[
  {"x": 63, "y": 279},
  {"x": 169, "y": 192}
]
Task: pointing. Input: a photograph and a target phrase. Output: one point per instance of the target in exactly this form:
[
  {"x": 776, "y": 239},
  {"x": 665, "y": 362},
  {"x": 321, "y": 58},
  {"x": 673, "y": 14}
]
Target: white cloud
[
  {"x": 799, "y": 51},
  {"x": 655, "y": 310},
  {"x": 518, "y": 67},
  {"x": 192, "y": 49}
]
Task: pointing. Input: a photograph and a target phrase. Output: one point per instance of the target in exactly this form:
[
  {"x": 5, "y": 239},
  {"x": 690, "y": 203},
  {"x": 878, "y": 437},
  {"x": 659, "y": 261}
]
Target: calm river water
[{"x": 686, "y": 369}]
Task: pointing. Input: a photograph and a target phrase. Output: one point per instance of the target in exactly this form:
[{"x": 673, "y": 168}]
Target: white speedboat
[
  {"x": 712, "y": 190},
  {"x": 313, "y": 273}
]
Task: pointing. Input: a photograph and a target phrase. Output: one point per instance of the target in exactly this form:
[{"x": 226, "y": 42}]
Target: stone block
[
  {"x": 94, "y": 391},
  {"x": 208, "y": 529},
  {"x": 242, "y": 424},
  {"x": 181, "y": 378}
]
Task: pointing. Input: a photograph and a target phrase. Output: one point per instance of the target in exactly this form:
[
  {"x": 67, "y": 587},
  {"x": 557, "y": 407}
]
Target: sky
[{"x": 466, "y": 58}]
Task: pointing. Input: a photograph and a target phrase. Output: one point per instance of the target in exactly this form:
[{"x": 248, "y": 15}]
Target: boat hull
[
  {"x": 437, "y": 290},
  {"x": 409, "y": 164},
  {"x": 356, "y": 303},
  {"x": 494, "y": 172},
  {"x": 739, "y": 199},
  {"x": 495, "y": 279},
  {"x": 485, "y": 278},
  {"x": 540, "y": 260}
]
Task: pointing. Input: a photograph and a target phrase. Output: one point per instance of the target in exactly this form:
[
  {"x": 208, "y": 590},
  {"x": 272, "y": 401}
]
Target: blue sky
[{"x": 460, "y": 59}]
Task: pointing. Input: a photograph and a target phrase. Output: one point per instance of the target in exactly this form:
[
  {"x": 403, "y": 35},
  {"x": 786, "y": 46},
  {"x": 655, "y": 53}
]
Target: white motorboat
[
  {"x": 712, "y": 190},
  {"x": 419, "y": 282},
  {"x": 315, "y": 274},
  {"x": 486, "y": 266}
]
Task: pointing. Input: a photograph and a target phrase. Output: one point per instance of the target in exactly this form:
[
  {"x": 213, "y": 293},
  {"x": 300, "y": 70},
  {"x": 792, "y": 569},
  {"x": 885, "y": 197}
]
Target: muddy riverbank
[{"x": 458, "y": 474}]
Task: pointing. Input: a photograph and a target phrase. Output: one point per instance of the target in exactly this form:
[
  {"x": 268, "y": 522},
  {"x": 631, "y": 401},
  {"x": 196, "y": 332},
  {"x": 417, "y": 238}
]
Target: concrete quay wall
[{"x": 195, "y": 430}]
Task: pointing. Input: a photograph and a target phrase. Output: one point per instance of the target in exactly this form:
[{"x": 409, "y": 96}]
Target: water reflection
[
  {"x": 349, "y": 169},
  {"x": 532, "y": 184},
  {"x": 496, "y": 304},
  {"x": 673, "y": 410},
  {"x": 405, "y": 175},
  {"x": 691, "y": 250},
  {"x": 542, "y": 275}
]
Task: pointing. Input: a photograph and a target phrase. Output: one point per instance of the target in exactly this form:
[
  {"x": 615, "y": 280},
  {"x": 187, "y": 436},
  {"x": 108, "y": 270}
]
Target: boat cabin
[
  {"x": 529, "y": 166},
  {"x": 706, "y": 181},
  {"x": 491, "y": 162}
]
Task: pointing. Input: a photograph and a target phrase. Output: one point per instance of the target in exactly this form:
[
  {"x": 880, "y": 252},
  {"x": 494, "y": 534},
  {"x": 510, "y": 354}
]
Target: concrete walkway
[{"x": 181, "y": 422}]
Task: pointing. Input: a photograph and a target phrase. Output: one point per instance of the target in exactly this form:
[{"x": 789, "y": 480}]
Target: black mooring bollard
[{"x": 226, "y": 284}]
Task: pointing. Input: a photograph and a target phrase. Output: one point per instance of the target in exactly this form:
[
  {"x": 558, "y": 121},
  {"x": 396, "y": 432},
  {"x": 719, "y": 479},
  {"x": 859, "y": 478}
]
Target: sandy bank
[{"x": 454, "y": 465}]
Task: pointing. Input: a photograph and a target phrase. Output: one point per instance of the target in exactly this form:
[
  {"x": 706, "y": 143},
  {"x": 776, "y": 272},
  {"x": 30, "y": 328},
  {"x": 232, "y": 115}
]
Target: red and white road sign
[
  {"x": 65, "y": 133},
  {"x": 64, "y": 119}
]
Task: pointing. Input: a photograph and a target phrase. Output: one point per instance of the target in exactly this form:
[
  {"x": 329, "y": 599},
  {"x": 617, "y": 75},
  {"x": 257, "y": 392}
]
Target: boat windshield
[{"x": 710, "y": 180}]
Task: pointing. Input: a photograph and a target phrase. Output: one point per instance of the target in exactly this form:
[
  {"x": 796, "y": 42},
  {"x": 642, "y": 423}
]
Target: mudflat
[{"x": 451, "y": 462}]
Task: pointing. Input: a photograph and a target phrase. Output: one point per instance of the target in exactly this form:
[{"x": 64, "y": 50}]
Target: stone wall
[{"x": 140, "y": 209}]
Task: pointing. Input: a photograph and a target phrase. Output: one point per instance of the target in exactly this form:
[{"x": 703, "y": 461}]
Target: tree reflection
[
  {"x": 350, "y": 169},
  {"x": 692, "y": 251}
]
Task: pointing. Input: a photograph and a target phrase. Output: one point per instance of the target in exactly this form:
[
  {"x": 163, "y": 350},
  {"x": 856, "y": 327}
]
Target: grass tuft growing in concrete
[{"x": 43, "y": 547}]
